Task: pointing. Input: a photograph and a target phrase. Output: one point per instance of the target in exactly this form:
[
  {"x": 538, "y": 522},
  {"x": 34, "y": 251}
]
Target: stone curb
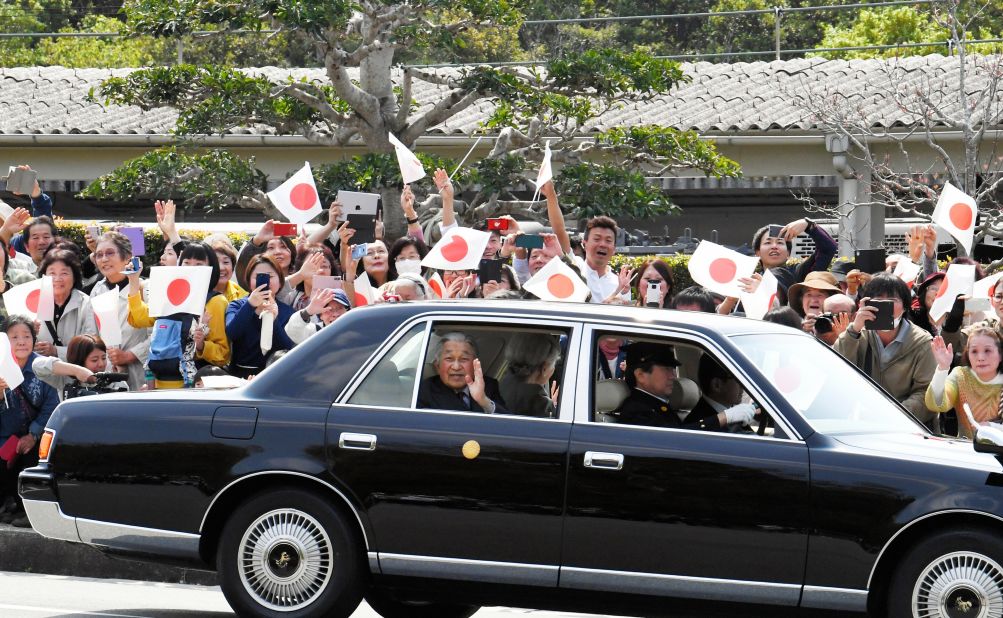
[{"x": 22, "y": 550}]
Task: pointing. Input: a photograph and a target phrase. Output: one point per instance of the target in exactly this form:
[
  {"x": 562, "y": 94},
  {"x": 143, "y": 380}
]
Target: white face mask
[{"x": 408, "y": 266}]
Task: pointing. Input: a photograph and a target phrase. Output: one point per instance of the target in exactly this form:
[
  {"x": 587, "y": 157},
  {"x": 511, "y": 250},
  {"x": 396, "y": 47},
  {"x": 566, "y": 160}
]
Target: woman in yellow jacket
[{"x": 209, "y": 343}]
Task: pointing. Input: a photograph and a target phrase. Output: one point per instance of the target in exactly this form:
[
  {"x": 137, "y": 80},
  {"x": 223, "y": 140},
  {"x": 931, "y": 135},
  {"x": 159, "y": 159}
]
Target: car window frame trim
[
  {"x": 585, "y": 393},
  {"x": 566, "y": 408}
]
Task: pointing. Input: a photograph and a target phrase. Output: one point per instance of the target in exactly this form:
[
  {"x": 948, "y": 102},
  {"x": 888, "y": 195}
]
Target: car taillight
[{"x": 45, "y": 445}]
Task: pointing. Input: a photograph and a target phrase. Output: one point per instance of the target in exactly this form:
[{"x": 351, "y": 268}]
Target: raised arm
[{"x": 555, "y": 216}]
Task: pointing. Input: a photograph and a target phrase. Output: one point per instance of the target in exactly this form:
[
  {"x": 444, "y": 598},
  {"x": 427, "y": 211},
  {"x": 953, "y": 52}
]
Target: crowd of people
[{"x": 302, "y": 284}]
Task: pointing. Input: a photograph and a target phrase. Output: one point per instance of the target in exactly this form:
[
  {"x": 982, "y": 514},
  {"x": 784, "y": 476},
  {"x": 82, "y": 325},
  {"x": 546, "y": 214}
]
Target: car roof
[{"x": 726, "y": 325}]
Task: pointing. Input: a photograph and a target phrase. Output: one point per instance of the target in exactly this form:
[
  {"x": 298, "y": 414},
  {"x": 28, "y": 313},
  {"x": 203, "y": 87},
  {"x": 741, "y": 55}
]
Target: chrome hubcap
[
  {"x": 959, "y": 585},
  {"x": 285, "y": 560}
]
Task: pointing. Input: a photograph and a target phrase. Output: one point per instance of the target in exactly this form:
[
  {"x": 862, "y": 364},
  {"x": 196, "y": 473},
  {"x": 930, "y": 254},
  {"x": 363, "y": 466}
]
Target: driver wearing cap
[{"x": 651, "y": 373}]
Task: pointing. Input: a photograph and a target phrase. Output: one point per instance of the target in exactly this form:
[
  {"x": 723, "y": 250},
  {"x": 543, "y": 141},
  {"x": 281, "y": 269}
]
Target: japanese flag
[
  {"x": 556, "y": 281},
  {"x": 956, "y": 213},
  {"x": 760, "y": 302},
  {"x": 10, "y": 371},
  {"x": 798, "y": 382},
  {"x": 411, "y": 168},
  {"x": 106, "y": 317},
  {"x": 906, "y": 269},
  {"x": 960, "y": 279},
  {"x": 982, "y": 294},
  {"x": 437, "y": 285},
  {"x": 461, "y": 248},
  {"x": 718, "y": 268},
  {"x": 33, "y": 299},
  {"x": 546, "y": 172},
  {"x": 364, "y": 292},
  {"x": 178, "y": 289},
  {"x": 297, "y": 197}
]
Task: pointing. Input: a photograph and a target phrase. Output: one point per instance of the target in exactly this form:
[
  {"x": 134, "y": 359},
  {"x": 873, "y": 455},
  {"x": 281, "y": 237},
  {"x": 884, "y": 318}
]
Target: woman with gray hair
[{"x": 532, "y": 358}]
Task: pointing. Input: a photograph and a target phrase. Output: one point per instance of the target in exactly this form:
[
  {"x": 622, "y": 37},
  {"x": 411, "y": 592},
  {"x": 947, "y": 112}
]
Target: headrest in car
[
  {"x": 685, "y": 394},
  {"x": 610, "y": 394}
]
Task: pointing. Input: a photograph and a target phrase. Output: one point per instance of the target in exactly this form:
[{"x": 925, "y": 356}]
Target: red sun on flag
[
  {"x": 561, "y": 286},
  {"x": 303, "y": 196},
  {"x": 360, "y": 299},
  {"x": 436, "y": 288},
  {"x": 961, "y": 216},
  {"x": 456, "y": 250},
  {"x": 178, "y": 291},
  {"x": 723, "y": 270},
  {"x": 943, "y": 288},
  {"x": 97, "y": 322},
  {"x": 787, "y": 379},
  {"x": 32, "y": 299}
]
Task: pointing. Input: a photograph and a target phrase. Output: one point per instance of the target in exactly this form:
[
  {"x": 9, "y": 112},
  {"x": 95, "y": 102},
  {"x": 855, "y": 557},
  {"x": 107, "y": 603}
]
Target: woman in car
[{"x": 526, "y": 387}]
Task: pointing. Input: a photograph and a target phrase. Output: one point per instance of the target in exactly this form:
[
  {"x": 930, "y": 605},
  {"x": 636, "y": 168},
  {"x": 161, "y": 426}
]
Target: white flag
[
  {"x": 10, "y": 371},
  {"x": 906, "y": 269},
  {"x": 546, "y": 172},
  {"x": 33, "y": 299},
  {"x": 557, "y": 281},
  {"x": 960, "y": 280},
  {"x": 718, "y": 268},
  {"x": 437, "y": 285},
  {"x": 411, "y": 168},
  {"x": 5, "y": 210},
  {"x": 178, "y": 289},
  {"x": 461, "y": 248},
  {"x": 106, "y": 317},
  {"x": 760, "y": 302},
  {"x": 982, "y": 293},
  {"x": 297, "y": 197},
  {"x": 364, "y": 292},
  {"x": 267, "y": 330},
  {"x": 956, "y": 213}
]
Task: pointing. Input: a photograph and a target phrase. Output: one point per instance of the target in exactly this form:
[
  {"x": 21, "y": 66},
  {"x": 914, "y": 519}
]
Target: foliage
[
  {"x": 213, "y": 179},
  {"x": 373, "y": 172},
  {"x": 592, "y": 190},
  {"x": 93, "y": 51},
  {"x": 152, "y": 238}
]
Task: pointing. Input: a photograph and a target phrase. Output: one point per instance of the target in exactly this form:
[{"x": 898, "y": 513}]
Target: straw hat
[{"x": 817, "y": 280}]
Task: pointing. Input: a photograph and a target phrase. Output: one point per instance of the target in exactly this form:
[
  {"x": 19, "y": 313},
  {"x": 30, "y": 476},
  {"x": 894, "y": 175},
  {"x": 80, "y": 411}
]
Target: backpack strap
[{"x": 52, "y": 333}]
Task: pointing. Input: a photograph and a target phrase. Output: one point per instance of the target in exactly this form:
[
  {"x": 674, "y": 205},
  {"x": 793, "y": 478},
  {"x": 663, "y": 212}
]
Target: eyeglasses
[
  {"x": 105, "y": 255},
  {"x": 997, "y": 297}
]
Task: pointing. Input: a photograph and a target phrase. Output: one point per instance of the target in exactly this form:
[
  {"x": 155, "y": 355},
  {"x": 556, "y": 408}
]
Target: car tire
[
  {"x": 289, "y": 553},
  {"x": 384, "y": 604},
  {"x": 958, "y": 573}
]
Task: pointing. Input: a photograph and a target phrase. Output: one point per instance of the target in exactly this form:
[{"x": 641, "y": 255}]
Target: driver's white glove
[{"x": 742, "y": 413}]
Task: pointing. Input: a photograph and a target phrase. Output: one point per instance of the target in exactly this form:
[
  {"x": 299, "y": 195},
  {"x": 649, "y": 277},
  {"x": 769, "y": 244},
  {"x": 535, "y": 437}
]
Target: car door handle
[
  {"x": 357, "y": 441},
  {"x": 605, "y": 461}
]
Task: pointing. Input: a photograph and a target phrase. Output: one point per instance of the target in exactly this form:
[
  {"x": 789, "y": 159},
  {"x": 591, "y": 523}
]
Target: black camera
[
  {"x": 823, "y": 322},
  {"x": 104, "y": 382}
]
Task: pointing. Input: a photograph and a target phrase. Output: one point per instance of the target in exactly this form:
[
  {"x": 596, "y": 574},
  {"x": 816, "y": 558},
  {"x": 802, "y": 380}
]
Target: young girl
[{"x": 977, "y": 381}]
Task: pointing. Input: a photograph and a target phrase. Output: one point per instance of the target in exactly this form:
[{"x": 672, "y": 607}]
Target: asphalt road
[{"x": 48, "y": 596}]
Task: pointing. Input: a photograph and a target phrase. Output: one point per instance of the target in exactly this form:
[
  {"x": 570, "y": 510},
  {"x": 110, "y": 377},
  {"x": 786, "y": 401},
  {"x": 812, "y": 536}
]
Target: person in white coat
[
  {"x": 111, "y": 256},
  {"x": 73, "y": 314},
  {"x": 326, "y": 306}
]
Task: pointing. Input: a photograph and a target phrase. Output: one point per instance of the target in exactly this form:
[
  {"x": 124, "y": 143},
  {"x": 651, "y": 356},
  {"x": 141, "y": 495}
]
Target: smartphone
[
  {"x": 135, "y": 265},
  {"x": 355, "y": 203},
  {"x": 284, "y": 229},
  {"x": 94, "y": 231},
  {"x": 497, "y": 225},
  {"x": 364, "y": 226},
  {"x": 358, "y": 251},
  {"x": 883, "y": 318},
  {"x": 870, "y": 260},
  {"x": 324, "y": 282},
  {"x": 774, "y": 231},
  {"x": 653, "y": 295},
  {"x": 529, "y": 241},
  {"x": 262, "y": 279},
  {"x": 489, "y": 270}
]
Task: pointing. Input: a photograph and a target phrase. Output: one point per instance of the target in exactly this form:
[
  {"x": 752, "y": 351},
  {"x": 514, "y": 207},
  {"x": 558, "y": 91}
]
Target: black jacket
[
  {"x": 435, "y": 395},
  {"x": 640, "y": 408}
]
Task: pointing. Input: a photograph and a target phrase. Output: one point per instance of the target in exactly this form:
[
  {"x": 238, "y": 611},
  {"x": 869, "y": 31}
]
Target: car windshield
[{"x": 828, "y": 391}]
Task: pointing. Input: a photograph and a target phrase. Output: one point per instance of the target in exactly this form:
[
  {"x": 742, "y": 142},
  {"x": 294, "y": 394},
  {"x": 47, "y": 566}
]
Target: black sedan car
[{"x": 434, "y": 457}]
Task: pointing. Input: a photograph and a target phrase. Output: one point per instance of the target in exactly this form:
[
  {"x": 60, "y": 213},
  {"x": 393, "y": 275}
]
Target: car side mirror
[{"x": 988, "y": 438}]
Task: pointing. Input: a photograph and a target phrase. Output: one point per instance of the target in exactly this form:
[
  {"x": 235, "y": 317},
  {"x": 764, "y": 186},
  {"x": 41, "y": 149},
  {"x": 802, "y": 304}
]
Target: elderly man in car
[
  {"x": 651, "y": 374},
  {"x": 460, "y": 383}
]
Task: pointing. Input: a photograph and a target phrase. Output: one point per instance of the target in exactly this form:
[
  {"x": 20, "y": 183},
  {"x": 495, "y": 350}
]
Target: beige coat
[{"x": 906, "y": 376}]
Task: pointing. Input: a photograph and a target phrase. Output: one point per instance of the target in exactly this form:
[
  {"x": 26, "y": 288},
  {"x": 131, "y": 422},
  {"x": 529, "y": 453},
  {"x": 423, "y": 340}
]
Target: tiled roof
[{"x": 720, "y": 98}]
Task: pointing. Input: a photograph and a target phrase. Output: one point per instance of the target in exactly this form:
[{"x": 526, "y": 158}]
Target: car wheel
[
  {"x": 289, "y": 553},
  {"x": 950, "y": 575},
  {"x": 384, "y": 604}
]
